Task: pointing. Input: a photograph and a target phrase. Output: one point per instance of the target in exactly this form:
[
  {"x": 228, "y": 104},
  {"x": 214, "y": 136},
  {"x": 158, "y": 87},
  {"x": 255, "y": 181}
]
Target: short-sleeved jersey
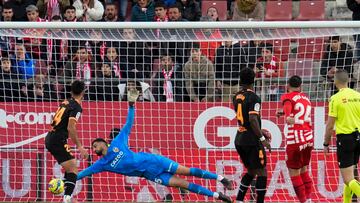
[
  {"x": 344, "y": 106},
  {"x": 246, "y": 102},
  {"x": 69, "y": 109},
  {"x": 301, "y": 132}
]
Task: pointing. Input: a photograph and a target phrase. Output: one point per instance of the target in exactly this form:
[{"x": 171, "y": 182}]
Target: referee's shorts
[{"x": 348, "y": 149}]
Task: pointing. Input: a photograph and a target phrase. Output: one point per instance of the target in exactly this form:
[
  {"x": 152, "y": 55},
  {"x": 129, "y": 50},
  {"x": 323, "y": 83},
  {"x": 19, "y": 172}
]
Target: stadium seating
[
  {"x": 281, "y": 48},
  {"x": 300, "y": 67},
  {"x": 310, "y": 48},
  {"x": 278, "y": 10},
  {"x": 311, "y": 10},
  {"x": 221, "y": 7}
]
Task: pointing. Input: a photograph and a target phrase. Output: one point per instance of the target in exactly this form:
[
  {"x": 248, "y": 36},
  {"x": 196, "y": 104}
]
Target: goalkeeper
[{"x": 118, "y": 158}]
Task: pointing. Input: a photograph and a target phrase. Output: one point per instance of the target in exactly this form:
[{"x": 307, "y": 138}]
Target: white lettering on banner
[
  {"x": 321, "y": 182},
  {"x": 58, "y": 174},
  {"x": 22, "y": 118},
  {"x": 25, "y": 181},
  {"x": 220, "y": 169},
  {"x": 228, "y": 131},
  {"x": 280, "y": 170}
]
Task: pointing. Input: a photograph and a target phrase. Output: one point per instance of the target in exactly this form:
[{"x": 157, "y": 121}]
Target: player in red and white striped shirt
[{"x": 299, "y": 138}]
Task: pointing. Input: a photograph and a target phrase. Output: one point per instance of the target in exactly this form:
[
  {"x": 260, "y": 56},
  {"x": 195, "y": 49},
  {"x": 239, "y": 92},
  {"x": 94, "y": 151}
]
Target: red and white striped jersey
[{"x": 301, "y": 132}]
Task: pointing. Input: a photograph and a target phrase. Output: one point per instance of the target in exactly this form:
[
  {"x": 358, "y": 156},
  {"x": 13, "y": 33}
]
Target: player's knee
[{"x": 70, "y": 166}]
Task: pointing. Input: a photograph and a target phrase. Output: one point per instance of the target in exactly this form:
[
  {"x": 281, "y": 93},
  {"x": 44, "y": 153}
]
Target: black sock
[
  {"x": 70, "y": 182},
  {"x": 260, "y": 187},
  {"x": 244, "y": 186}
]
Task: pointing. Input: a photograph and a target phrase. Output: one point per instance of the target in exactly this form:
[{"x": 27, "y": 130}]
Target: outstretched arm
[
  {"x": 130, "y": 119},
  {"x": 95, "y": 168}
]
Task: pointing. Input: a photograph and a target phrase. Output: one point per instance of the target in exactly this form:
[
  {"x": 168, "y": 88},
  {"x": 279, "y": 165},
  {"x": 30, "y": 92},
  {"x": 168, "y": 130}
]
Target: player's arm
[
  {"x": 287, "y": 108},
  {"x": 330, "y": 124},
  {"x": 73, "y": 119},
  {"x": 95, "y": 168}
]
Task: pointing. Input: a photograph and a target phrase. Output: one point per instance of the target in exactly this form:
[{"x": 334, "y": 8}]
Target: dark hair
[
  {"x": 56, "y": 17},
  {"x": 267, "y": 46},
  {"x": 70, "y": 7},
  {"x": 114, "y": 132},
  {"x": 247, "y": 76},
  {"x": 159, "y": 4},
  {"x": 77, "y": 87},
  {"x": 111, "y": 4},
  {"x": 98, "y": 140},
  {"x": 334, "y": 38},
  {"x": 195, "y": 46},
  {"x": 175, "y": 6},
  {"x": 295, "y": 81},
  {"x": 7, "y": 6}
]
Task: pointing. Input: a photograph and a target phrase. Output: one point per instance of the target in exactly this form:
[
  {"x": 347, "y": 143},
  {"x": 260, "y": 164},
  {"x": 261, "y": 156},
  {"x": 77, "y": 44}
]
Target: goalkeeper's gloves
[{"x": 133, "y": 95}]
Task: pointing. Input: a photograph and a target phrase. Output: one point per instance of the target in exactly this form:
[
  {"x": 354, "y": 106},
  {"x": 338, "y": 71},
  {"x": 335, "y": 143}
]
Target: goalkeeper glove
[{"x": 133, "y": 94}]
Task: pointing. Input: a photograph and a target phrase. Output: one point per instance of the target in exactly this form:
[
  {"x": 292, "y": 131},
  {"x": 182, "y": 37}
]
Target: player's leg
[
  {"x": 304, "y": 173},
  {"x": 183, "y": 170},
  {"x": 259, "y": 164},
  {"x": 294, "y": 165},
  {"x": 198, "y": 189},
  {"x": 248, "y": 176}
]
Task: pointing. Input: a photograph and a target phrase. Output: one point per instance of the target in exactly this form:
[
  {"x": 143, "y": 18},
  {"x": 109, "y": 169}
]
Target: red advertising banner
[{"x": 193, "y": 134}]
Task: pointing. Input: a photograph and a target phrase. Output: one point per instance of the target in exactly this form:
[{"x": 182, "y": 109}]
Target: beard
[{"x": 99, "y": 152}]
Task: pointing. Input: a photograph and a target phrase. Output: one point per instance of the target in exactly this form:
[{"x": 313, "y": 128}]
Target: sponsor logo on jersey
[
  {"x": 25, "y": 118},
  {"x": 115, "y": 149},
  {"x": 117, "y": 159},
  {"x": 257, "y": 107}
]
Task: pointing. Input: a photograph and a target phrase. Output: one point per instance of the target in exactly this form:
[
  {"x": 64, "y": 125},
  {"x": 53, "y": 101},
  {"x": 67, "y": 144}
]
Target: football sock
[
  {"x": 70, "y": 182},
  {"x": 299, "y": 188},
  {"x": 347, "y": 194},
  {"x": 200, "y": 190},
  {"x": 355, "y": 187},
  {"x": 260, "y": 187},
  {"x": 307, "y": 180},
  {"x": 202, "y": 174},
  {"x": 244, "y": 186}
]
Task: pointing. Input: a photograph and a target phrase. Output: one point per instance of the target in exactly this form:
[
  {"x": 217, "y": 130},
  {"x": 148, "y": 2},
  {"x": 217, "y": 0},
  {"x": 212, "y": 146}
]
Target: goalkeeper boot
[
  {"x": 224, "y": 198},
  {"x": 228, "y": 184},
  {"x": 67, "y": 199}
]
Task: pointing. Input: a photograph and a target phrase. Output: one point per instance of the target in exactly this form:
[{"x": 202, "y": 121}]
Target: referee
[{"x": 344, "y": 113}]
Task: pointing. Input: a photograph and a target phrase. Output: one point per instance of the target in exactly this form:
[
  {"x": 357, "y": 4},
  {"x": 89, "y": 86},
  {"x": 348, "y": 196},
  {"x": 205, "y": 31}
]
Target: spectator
[
  {"x": 96, "y": 46},
  {"x": 70, "y": 14},
  {"x": 81, "y": 67},
  {"x": 50, "y": 8},
  {"x": 213, "y": 13},
  {"x": 229, "y": 61},
  {"x": 167, "y": 86},
  {"x": 191, "y": 10},
  {"x": 118, "y": 67},
  {"x": 123, "y": 5},
  {"x": 7, "y": 13},
  {"x": 23, "y": 63},
  {"x": 32, "y": 13},
  {"x": 19, "y": 8},
  {"x": 208, "y": 48},
  {"x": 89, "y": 10},
  {"x": 142, "y": 87},
  {"x": 106, "y": 88},
  {"x": 253, "y": 52},
  {"x": 269, "y": 66},
  {"x": 161, "y": 12},
  {"x": 144, "y": 10},
  {"x": 354, "y": 6},
  {"x": 337, "y": 55},
  {"x": 248, "y": 10},
  {"x": 199, "y": 76},
  {"x": 111, "y": 13},
  {"x": 40, "y": 90},
  {"x": 175, "y": 14},
  {"x": 169, "y": 2},
  {"x": 9, "y": 83}
]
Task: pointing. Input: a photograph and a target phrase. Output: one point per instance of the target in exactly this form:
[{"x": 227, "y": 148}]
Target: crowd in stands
[{"x": 39, "y": 69}]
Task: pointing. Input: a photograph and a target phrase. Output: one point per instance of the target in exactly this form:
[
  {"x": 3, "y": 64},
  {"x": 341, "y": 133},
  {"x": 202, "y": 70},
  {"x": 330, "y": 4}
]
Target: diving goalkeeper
[{"x": 118, "y": 158}]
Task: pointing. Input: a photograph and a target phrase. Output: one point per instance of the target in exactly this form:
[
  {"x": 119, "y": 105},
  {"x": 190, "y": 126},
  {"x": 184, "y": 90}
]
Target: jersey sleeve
[
  {"x": 333, "y": 107},
  {"x": 284, "y": 98},
  {"x": 254, "y": 105},
  {"x": 123, "y": 136},
  {"x": 95, "y": 168},
  {"x": 75, "y": 112}
]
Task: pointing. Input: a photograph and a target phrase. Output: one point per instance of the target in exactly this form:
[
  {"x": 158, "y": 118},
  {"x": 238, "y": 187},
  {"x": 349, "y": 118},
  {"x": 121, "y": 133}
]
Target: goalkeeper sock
[
  {"x": 347, "y": 194},
  {"x": 260, "y": 187},
  {"x": 299, "y": 188},
  {"x": 307, "y": 180},
  {"x": 70, "y": 182},
  {"x": 202, "y": 174},
  {"x": 244, "y": 186},
  {"x": 200, "y": 190},
  {"x": 355, "y": 187}
]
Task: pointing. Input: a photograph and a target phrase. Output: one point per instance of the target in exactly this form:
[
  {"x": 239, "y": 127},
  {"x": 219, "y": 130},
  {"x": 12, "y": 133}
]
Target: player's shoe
[
  {"x": 67, "y": 199},
  {"x": 224, "y": 198},
  {"x": 228, "y": 184}
]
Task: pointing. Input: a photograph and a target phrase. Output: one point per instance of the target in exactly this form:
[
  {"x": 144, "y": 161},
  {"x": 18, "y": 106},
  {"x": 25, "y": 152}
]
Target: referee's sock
[
  {"x": 244, "y": 186},
  {"x": 355, "y": 187},
  {"x": 201, "y": 190},
  {"x": 70, "y": 182},
  {"x": 299, "y": 188},
  {"x": 202, "y": 174},
  {"x": 260, "y": 187},
  {"x": 347, "y": 194},
  {"x": 307, "y": 180}
]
